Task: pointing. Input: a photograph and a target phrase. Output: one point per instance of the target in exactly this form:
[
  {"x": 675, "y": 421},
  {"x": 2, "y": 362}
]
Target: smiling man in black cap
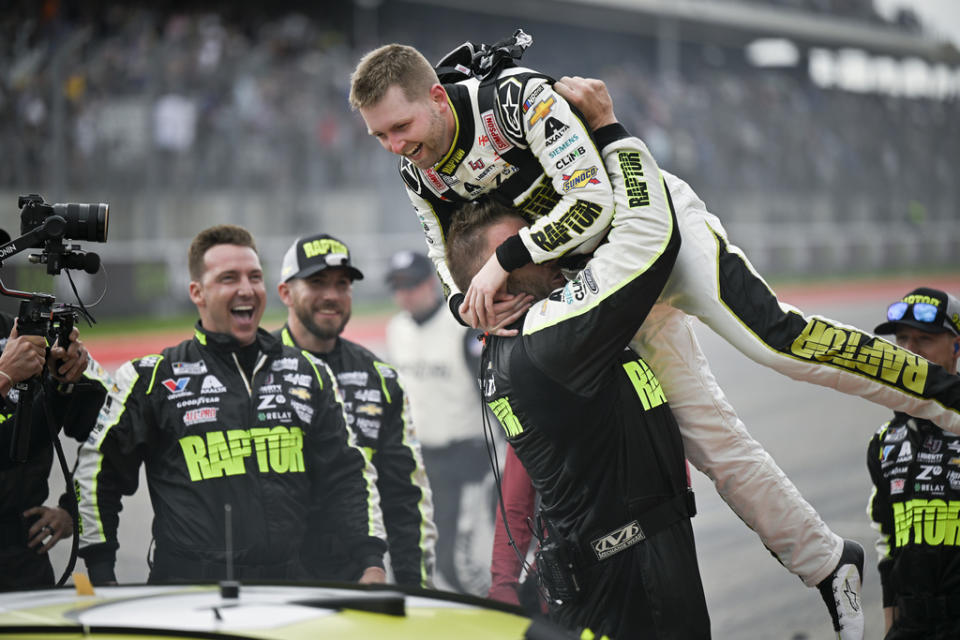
[
  {"x": 316, "y": 285},
  {"x": 915, "y": 468}
]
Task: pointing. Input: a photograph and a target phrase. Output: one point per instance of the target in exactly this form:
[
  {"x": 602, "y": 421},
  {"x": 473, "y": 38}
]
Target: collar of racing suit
[
  {"x": 458, "y": 98},
  {"x": 332, "y": 357},
  {"x": 226, "y": 343}
]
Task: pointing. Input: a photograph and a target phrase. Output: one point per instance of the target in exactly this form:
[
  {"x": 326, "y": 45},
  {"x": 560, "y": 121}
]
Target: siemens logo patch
[{"x": 563, "y": 147}]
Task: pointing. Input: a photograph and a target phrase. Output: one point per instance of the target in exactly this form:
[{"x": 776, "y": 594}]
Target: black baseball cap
[
  {"x": 408, "y": 269},
  {"x": 309, "y": 255},
  {"x": 926, "y": 309}
]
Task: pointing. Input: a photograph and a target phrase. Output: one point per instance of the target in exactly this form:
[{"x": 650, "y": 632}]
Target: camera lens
[{"x": 84, "y": 221}]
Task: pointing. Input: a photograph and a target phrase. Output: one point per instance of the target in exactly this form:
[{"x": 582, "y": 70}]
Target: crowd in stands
[{"x": 148, "y": 97}]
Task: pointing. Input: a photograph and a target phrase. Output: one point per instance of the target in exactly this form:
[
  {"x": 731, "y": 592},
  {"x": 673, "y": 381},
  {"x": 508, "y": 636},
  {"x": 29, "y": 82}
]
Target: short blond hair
[{"x": 389, "y": 65}]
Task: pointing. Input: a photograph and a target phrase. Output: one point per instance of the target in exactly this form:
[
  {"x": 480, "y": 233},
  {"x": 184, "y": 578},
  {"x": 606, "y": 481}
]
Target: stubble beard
[{"x": 318, "y": 330}]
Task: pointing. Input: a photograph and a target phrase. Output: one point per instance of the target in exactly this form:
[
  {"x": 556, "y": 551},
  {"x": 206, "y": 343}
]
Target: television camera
[{"x": 45, "y": 226}]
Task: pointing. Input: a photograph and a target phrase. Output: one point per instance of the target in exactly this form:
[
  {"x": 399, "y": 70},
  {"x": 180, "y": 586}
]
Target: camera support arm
[{"x": 52, "y": 227}]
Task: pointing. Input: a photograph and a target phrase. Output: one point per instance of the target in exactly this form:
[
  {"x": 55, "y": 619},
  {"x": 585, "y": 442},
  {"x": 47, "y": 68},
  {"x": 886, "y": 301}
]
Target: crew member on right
[{"x": 915, "y": 469}]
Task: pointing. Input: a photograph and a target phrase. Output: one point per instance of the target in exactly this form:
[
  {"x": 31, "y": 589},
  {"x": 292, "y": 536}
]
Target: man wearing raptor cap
[
  {"x": 915, "y": 469},
  {"x": 316, "y": 285}
]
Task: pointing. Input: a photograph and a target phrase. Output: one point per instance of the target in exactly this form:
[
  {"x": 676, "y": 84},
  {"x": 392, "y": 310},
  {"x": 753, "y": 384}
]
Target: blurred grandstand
[{"x": 182, "y": 115}]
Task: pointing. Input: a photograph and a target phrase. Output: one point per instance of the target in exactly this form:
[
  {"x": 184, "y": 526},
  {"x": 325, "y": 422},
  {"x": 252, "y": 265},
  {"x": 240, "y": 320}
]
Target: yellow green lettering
[
  {"x": 645, "y": 383},
  {"x": 950, "y": 523},
  {"x": 931, "y": 522},
  {"x": 823, "y": 342},
  {"x": 258, "y": 436},
  {"x": 296, "y": 450},
  {"x": 220, "y": 453},
  {"x": 195, "y": 455},
  {"x": 504, "y": 412},
  {"x": 320, "y": 247},
  {"x": 933, "y": 529},
  {"x": 279, "y": 445},
  {"x": 239, "y": 441}
]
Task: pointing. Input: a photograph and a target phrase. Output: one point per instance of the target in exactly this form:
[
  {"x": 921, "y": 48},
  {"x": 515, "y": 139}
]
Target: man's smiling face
[
  {"x": 231, "y": 296},
  {"x": 420, "y": 130},
  {"x": 321, "y": 302}
]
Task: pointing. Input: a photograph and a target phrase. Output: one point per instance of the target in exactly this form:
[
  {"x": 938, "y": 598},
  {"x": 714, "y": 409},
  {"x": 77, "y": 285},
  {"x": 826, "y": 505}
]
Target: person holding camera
[
  {"x": 243, "y": 439},
  {"x": 73, "y": 390}
]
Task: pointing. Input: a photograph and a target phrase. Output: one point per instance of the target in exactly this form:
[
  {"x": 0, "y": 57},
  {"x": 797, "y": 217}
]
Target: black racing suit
[
  {"x": 273, "y": 445},
  {"x": 24, "y": 485},
  {"x": 589, "y": 421},
  {"x": 377, "y": 411},
  {"x": 915, "y": 469}
]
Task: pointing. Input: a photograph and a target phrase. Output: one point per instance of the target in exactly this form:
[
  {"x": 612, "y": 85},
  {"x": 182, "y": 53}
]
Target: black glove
[{"x": 454, "y": 303}]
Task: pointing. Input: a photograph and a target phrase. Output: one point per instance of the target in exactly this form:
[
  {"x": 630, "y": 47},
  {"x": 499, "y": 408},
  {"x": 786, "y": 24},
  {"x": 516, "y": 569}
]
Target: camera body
[
  {"x": 88, "y": 222},
  {"x": 45, "y": 226}
]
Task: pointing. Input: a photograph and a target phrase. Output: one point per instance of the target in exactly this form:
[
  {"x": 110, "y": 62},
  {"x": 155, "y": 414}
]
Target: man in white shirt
[{"x": 438, "y": 360}]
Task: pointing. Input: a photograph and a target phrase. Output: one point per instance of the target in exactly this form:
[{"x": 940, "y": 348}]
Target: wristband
[
  {"x": 5, "y": 375},
  {"x": 610, "y": 133},
  {"x": 454, "y": 303},
  {"x": 513, "y": 254}
]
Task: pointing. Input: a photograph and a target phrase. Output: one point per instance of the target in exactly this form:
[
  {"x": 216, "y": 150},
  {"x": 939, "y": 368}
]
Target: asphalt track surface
[{"x": 818, "y": 436}]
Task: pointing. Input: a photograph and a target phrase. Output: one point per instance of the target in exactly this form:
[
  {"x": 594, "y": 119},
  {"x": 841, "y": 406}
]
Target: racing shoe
[{"x": 841, "y": 592}]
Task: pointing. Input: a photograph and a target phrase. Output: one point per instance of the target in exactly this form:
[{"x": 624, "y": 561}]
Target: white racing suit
[
  {"x": 518, "y": 140},
  {"x": 715, "y": 440}
]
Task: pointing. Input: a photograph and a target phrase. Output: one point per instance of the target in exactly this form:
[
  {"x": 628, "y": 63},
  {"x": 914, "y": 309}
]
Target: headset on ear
[{"x": 956, "y": 347}]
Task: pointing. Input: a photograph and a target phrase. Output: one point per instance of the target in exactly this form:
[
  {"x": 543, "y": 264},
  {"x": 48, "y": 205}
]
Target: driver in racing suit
[
  {"x": 590, "y": 422},
  {"x": 503, "y": 131},
  {"x": 510, "y": 135}
]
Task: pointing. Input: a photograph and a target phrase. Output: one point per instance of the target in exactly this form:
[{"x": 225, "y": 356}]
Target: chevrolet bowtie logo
[{"x": 540, "y": 111}]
